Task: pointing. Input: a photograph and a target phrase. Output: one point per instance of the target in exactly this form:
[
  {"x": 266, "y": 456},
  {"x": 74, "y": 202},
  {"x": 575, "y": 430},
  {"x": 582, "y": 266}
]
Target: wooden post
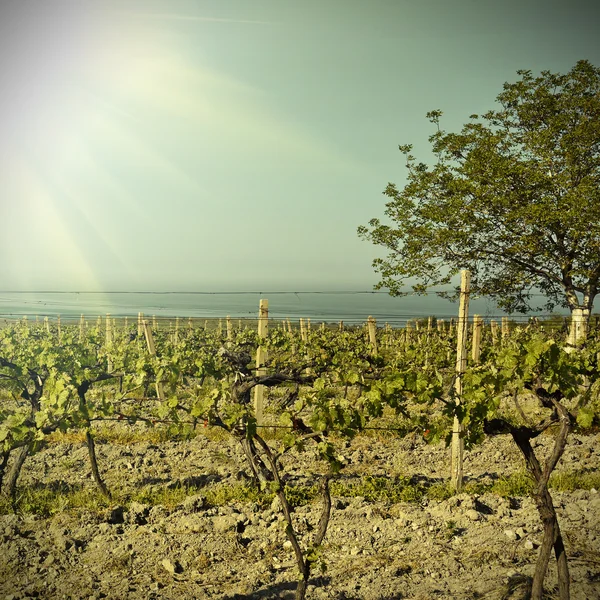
[
  {"x": 229, "y": 331},
  {"x": 461, "y": 363},
  {"x": 109, "y": 328},
  {"x": 477, "y": 331},
  {"x": 505, "y": 328},
  {"x": 441, "y": 326},
  {"x": 47, "y": 324},
  {"x": 58, "y": 328},
  {"x": 81, "y": 329},
  {"x": 303, "y": 334},
  {"x": 190, "y": 324},
  {"x": 308, "y": 325},
  {"x": 109, "y": 339},
  {"x": 429, "y": 324},
  {"x": 494, "y": 332},
  {"x": 341, "y": 325},
  {"x": 160, "y": 392},
  {"x": 261, "y": 358},
  {"x": 176, "y": 330},
  {"x": 140, "y": 325},
  {"x": 372, "y": 325}
]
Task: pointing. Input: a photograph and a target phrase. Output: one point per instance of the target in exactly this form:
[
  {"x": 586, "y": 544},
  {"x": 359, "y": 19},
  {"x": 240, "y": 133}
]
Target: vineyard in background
[{"x": 281, "y": 387}]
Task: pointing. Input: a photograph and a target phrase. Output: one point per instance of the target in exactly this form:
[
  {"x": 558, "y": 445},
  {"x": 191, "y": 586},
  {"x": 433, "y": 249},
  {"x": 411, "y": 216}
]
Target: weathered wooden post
[
  {"x": 505, "y": 328},
  {"x": 372, "y": 326},
  {"x": 81, "y": 329},
  {"x": 408, "y": 331},
  {"x": 229, "y": 330},
  {"x": 261, "y": 359},
  {"x": 477, "y": 331},
  {"x": 108, "y": 340},
  {"x": 140, "y": 325},
  {"x": 303, "y": 333},
  {"x": 461, "y": 363},
  {"x": 441, "y": 326},
  {"x": 494, "y": 332},
  {"x": 160, "y": 392}
]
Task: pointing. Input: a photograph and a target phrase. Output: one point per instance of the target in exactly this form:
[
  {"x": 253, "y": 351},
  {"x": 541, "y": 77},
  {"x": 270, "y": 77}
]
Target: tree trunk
[
  {"x": 578, "y": 329},
  {"x": 3, "y": 464},
  {"x": 20, "y": 455},
  {"x": 89, "y": 438}
]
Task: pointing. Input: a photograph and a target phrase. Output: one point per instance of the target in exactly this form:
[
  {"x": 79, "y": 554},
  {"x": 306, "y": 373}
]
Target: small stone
[
  {"x": 103, "y": 528},
  {"x": 287, "y": 545},
  {"x": 520, "y": 533},
  {"x": 473, "y": 515},
  {"x": 194, "y": 503},
  {"x": 593, "y": 491},
  {"x": 529, "y": 545},
  {"x": 225, "y": 523},
  {"x": 137, "y": 513},
  {"x": 510, "y": 534},
  {"x": 171, "y": 567},
  {"x": 376, "y": 528},
  {"x": 50, "y": 559}
]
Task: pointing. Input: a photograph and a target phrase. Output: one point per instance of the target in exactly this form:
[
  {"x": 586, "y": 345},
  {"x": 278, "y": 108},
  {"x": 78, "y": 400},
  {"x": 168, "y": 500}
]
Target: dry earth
[{"x": 462, "y": 547}]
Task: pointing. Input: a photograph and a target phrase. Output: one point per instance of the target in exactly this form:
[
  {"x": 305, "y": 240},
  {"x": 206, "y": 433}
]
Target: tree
[{"x": 514, "y": 198}]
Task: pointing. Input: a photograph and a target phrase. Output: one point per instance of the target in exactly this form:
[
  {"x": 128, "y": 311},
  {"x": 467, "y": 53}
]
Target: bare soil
[{"x": 463, "y": 547}]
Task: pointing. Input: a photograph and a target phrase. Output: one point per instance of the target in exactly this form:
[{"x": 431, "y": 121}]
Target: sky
[{"x": 238, "y": 144}]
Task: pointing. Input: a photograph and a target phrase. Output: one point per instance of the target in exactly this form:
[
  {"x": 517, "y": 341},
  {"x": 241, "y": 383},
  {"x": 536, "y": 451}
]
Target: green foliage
[{"x": 514, "y": 197}]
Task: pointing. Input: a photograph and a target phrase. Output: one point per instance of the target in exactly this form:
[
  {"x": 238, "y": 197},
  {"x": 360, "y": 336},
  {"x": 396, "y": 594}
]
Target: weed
[
  {"x": 567, "y": 481},
  {"x": 516, "y": 484}
]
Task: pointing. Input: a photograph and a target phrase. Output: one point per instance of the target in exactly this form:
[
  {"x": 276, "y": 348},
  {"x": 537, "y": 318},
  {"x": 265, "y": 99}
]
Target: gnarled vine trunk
[{"x": 10, "y": 486}]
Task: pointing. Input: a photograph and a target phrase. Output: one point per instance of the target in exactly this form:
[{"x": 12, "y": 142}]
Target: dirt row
[{"x": 466, "y": 546}]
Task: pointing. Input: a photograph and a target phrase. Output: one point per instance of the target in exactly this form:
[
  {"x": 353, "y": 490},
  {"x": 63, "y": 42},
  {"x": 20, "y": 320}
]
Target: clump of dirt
[{"x": 466, "y": 546}]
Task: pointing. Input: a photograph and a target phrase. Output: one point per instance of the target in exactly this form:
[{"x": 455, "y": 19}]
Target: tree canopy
[{"x": 514, "y": 197}]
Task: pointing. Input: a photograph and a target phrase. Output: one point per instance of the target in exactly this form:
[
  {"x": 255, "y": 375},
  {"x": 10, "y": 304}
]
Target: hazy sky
[{"x": 237, "y": 143}]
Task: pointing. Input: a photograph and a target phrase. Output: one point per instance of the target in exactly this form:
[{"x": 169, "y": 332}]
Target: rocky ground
[{"x": 463, "y": 547}]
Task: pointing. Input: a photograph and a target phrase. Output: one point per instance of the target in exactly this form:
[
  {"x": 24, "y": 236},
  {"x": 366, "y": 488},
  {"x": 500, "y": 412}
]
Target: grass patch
[
  {"x": 516, "y": 484},
  {"x": 381, "y": 489},
  {"x": 46, "y": 502},
  {"x": 125, "y": 435},
  {"x": 50, "y": 500},
  {"x": 569, "y": 481}
]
